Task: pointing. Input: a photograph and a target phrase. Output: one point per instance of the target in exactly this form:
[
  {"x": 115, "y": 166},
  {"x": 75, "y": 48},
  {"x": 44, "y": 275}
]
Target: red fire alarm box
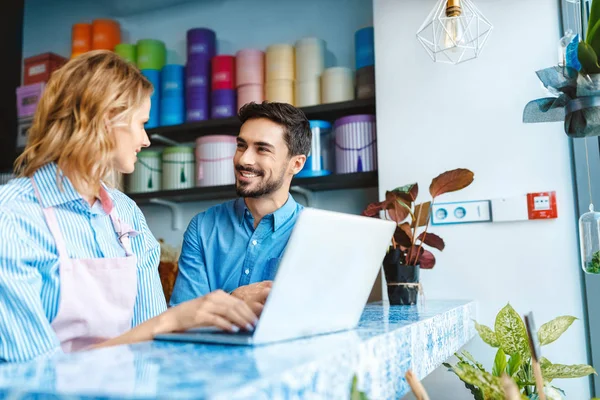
[{"x": 542, "y": 205}]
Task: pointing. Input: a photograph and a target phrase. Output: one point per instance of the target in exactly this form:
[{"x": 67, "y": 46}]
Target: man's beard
[{"x": 262, "y": 188}]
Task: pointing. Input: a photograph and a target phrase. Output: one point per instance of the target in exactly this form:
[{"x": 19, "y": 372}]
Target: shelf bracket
[
  {"x": 164, "y": 140},
  {"x": 175, "y": 212},
  {"x": 308, "y": 194}
]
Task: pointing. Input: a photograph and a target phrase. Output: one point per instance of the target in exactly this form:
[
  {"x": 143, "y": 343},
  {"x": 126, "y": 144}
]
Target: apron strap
[{"x": 53, "y": 225}]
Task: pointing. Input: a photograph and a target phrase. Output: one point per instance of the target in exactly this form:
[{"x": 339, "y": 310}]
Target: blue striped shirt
[{"x": 29, "y": 275}]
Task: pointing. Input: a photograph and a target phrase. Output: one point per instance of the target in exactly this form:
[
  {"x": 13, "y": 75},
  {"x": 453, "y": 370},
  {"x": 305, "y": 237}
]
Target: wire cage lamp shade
[{"x": 454, "y": 32}]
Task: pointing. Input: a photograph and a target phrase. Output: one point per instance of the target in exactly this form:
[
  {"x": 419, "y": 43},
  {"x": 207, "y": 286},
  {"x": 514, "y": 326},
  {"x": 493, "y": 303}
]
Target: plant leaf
[
  {"x": 373, "y": 209},
  {"x": 552, "y": 330},
  {"x": 514, "y": 364},
  {"x": 403, "y": 235},
  {"x": 398, "y": 211},
  {"x": 470, "y": 357},
  {"x": 433, "y": 240},
  {"x": 408, "y": 193},
  {"x": 421, "y": 214},
  {"x": 499, "y": 363},
  {"x": 426, "y": 259},
  {"x": 450, "y": 181},
  {"x": 487, "y": 335},
  {"x": 486, "y": 382},
  {"x": 511, "y": 333},
  {"x": 588, "y": 58},
  {"x": 559, "y": 371},
  {"x": 593, "y": 20}
]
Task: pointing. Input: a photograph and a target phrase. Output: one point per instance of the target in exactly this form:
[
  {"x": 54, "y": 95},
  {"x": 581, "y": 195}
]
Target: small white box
[{"x": 510, "y": 209}]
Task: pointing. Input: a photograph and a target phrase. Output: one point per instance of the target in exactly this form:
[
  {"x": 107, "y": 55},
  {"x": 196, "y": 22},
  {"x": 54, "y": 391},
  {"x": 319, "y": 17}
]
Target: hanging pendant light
[{"x": 454, "y": 32}]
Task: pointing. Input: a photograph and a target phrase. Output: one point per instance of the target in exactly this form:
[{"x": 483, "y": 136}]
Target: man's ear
[{"x": 298, "y": 163}]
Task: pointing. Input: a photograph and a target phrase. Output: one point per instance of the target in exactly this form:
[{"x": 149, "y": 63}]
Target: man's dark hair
[{"x": 296, "y": 129}]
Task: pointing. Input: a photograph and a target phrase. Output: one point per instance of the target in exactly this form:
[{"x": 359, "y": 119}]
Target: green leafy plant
[
  {"x": 588, "y": 50},
  {"x": 400, "y": 205},
  {"x": 593, "y": 267},
  {"x": 513, "y": 357},
  {"x": 356, "y": 394}
]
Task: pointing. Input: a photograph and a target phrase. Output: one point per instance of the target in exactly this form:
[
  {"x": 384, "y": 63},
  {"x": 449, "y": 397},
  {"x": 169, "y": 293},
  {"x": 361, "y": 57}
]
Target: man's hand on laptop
[{"x": 255, "y": 295}]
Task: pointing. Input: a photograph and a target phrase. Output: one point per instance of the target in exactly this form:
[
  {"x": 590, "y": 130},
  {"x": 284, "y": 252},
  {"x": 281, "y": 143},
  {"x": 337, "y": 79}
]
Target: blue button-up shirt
[
  {"x": 29, "y": 268},
  {"x": 222, "y": 250}
]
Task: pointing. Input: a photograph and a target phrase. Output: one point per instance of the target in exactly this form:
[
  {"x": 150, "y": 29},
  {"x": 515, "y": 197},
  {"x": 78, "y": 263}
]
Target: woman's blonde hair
[{"x": 82, "y": 101}]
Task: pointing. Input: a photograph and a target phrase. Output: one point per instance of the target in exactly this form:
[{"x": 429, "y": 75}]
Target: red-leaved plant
[{"x": 399, "y": 204}]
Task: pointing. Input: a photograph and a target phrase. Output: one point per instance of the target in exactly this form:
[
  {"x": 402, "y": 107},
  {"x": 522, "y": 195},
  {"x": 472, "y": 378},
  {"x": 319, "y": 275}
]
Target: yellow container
[
  {"x": 308, "y": 93},
  {"x": 337, "y": 84},
  {"x": 310, "y": 58},
  {"x": 279, "y": 62},
  {"x": 281, "y": 91}
]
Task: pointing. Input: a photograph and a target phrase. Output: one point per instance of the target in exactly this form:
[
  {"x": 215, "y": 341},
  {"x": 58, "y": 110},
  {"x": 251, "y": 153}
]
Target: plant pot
[{"x": 397, "y": 275}]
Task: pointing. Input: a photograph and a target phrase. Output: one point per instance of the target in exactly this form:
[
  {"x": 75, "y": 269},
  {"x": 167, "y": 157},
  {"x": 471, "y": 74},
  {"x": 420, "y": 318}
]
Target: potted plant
[
  {"x": 513, "y": 358},
  {"x": 407, "y": 253}
]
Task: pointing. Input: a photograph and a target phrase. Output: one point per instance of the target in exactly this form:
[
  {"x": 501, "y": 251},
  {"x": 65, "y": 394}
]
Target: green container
[
  {"x": 151, "y": 54},
  {"x": 127, "y": 51}
]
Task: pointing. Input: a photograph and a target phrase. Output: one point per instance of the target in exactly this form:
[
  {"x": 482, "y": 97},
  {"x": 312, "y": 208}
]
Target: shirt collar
[
  {"x": 47, "y": 178},
  {"x": 280, "y": 216}
]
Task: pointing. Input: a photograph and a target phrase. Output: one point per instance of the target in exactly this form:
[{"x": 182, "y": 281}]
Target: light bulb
[{"x": 453, "y": 33}]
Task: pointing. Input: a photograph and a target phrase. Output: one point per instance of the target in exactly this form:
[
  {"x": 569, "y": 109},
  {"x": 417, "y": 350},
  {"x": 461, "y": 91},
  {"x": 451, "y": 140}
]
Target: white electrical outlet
[{"x": 461, "y": 212}]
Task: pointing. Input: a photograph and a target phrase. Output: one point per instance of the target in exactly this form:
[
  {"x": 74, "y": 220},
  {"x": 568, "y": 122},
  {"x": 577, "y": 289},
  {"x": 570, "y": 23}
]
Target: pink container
[
  {"x": 223, "y": 72},
  {"x": 355, "y": 144},
  {"x": 250, "y": 67},
  {"x": 28, "y": 97},
  {"x": 249, "y": 93},
  {"x": 214, "y": 160}
]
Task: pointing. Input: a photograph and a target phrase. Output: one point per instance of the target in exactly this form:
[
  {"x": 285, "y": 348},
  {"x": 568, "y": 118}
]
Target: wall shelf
[
  {"x": 189, "y": 132},
  {"x": 359, "y": 180}
]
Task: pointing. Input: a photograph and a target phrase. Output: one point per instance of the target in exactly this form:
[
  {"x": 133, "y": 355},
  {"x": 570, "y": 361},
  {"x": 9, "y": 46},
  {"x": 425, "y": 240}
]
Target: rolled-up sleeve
[
  {"x": 192, "y": 278},
  {"x": 25, "y": 332},
  {"x": 150, "y": 300}
]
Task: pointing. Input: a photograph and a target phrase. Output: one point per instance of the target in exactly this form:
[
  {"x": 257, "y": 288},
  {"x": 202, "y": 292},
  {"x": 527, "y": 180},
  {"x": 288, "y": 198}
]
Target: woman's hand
[{"x": 217, "y": 309}]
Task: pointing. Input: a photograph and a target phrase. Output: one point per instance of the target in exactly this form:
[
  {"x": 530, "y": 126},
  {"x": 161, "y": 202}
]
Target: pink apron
[{"x": 97, "y": 295}]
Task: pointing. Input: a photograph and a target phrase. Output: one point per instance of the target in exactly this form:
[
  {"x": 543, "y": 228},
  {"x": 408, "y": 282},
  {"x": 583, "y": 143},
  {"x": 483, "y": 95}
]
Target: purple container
[
  {"x": 223, "y": 103},
  {"x": 355, "y": 144},
  {"x": 201, "y": 43},
  {"x": 197, "y": 104}
]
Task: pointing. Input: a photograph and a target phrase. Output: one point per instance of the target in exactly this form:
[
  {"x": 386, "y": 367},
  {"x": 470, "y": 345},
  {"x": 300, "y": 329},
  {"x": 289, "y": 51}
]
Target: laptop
[{"x": 323, "y": 282}]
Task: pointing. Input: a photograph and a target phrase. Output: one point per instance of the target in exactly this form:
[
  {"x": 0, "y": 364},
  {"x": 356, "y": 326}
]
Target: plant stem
[{"x": 424, "y": 235}]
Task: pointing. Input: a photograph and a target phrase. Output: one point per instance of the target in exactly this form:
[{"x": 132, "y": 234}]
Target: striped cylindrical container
[
  {"x": 281, "y": 91},
  {"x": 279, "y": 62},
  {"x": 106, "y": 34},
  {"x": 249, "y": 67},
  {"x": 308, "y": 93},
  {"x": 223, "y": 104},
  {"x": 355, "y": 144},
  {"x": 223, "y": 72},
  {"x": 214, "y": 160},
  {"x": 127, "y": 51},
  {"x": 310, "y": 59},
  {"x": 147, "y": 176},
  {"x": 250, "y": 93},
  {"x": 151, "y": 54},
  {"x": 81, "y": 39},
  {"x": 319, "y": 161},
  {"x": 178, "y": 165},
  {"x": 337, "y": 85},
  {"x": 364, "y": 47},
  {"x": 153, "y": 76}
]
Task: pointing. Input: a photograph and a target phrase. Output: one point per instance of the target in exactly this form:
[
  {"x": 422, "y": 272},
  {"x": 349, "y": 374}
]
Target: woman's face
[{"x": 130, "y": 139}]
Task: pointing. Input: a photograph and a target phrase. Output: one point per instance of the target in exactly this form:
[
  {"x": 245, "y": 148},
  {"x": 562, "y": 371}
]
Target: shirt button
[
  {"x": 254, "y": 242},
  {"x": 247, "y": 271}
]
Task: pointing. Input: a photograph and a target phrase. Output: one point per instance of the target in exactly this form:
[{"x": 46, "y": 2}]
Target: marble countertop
[{"x": 389, "y": 341}]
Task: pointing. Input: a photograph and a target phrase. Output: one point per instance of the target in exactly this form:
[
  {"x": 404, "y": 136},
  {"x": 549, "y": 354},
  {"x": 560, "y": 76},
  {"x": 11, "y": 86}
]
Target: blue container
[
  {"x": 364, "y": 47},
  {"x": 172, "y": 111},
  {"x": 172, "y": 81},
  {"x": 153, "y": 76},
  {"x": 319, "y": 161}
]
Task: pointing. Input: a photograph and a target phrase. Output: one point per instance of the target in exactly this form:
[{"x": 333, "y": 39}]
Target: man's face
[{"x": 262, "y": 161}]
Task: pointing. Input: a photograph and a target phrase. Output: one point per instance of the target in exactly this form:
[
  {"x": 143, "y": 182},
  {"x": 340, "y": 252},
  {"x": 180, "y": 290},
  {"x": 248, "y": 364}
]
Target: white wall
[{"x": 433, "y": 117}]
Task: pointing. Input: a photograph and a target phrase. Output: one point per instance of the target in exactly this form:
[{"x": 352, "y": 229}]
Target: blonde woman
[{"x": 78, "y": 264}]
